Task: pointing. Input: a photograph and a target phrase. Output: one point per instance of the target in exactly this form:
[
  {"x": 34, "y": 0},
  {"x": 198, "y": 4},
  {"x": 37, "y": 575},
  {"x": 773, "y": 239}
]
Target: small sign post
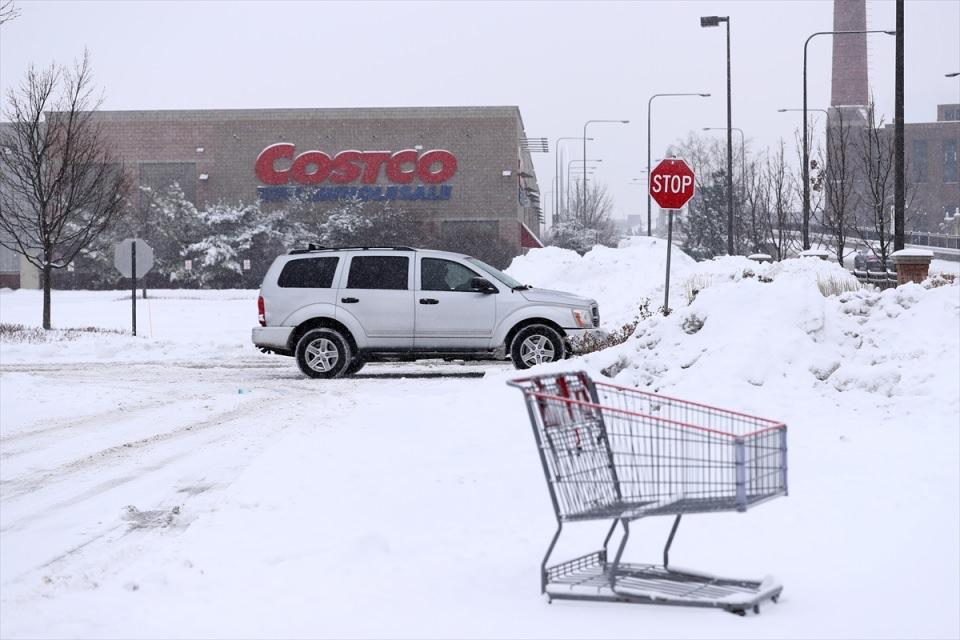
[
  {"x": 125, "y": 260},
  {"x": 671, "y": 186}
]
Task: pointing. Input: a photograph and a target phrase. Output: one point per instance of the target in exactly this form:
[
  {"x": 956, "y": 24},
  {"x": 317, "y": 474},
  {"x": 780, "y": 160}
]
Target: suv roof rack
[{"x": 316, "y": 247}]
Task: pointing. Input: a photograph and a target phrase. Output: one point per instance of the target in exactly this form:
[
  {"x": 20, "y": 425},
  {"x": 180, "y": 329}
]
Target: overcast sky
[{"x": 562, "y": 63}]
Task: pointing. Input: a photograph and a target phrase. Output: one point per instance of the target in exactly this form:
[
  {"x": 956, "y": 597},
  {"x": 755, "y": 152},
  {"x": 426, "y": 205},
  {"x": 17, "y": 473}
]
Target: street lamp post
[
  {"x": 714, "y": 21},
  {"x": 556, "y": 167},
  {"x": 806, "y": 148},
  {"x": 584, "y": 212},
  {"x": 649, "y": 104}
]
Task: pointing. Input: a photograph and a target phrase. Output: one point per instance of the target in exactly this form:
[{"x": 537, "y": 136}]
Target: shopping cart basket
[{"x": 619, "y": 454}]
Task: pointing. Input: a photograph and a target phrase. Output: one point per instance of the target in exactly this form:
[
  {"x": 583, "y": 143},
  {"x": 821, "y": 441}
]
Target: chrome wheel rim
[
  {"x": 322, "y": 355},
  {"x": 536, "y": 350}
]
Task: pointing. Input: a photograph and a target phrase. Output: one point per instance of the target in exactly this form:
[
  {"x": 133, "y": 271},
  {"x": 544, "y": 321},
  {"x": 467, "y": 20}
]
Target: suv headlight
[{"x": 582, "y": 318}]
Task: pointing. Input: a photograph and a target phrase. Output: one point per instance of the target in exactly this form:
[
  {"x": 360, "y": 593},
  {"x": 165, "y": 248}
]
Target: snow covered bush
[{"x": 591, "y": 342}]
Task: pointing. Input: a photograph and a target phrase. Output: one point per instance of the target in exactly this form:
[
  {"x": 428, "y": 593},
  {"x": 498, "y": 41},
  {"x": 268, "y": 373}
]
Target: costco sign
[{"x": 280, "y": 166}]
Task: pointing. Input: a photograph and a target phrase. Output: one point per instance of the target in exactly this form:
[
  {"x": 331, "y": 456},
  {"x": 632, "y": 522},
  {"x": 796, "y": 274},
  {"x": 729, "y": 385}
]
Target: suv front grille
[{"x": 595, "y": 312}]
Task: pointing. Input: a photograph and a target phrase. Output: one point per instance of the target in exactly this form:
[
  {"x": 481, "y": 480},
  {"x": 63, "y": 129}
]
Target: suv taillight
[{"x": 261, "y": 312}]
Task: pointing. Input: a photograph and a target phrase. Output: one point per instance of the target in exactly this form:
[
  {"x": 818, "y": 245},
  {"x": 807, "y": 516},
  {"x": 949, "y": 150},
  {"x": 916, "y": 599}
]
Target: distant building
[
  {"x": 932, "y": 171},
  {"x": 462, "y": 171}
]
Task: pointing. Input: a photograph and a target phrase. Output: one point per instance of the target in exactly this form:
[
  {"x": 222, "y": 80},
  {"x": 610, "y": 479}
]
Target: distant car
[
  {"x": 868, "y": 261},
  {"x": 335, "y": 309}
]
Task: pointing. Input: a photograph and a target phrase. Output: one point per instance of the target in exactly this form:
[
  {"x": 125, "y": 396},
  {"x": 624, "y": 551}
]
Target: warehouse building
[{"x": 464, "y": 172}]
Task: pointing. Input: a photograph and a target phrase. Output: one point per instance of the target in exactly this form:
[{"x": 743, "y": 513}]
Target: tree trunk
[{"x": 47, "y": 272}]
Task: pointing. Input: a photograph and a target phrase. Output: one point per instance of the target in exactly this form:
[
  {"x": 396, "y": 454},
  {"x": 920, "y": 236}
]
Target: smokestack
[{"x": 849, "y": 54}]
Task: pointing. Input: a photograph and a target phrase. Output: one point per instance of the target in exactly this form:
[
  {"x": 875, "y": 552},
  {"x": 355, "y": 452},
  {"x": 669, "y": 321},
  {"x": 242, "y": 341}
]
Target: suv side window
[
  {"x": 378, "y": 272},
  {"x": 308, "y": 273},
  {"x": 444, "y": 275}
]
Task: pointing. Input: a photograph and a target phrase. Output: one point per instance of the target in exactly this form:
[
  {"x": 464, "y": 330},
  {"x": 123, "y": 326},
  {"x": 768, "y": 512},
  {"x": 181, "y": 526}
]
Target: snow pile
[
  {"x": 777, "y": 331},
  {"x": 744, "y": 330},
  {"x": 618, "y": 279}
]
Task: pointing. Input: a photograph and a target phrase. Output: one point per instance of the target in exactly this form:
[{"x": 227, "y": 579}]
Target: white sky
[{"x": 562, "y": 62}]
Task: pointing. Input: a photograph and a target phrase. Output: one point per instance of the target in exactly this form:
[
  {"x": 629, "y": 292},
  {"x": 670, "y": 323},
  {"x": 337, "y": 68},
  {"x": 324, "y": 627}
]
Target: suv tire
[
  {"x": 323, "y": 353},
  {"x": 355, "y": 366},
  {"x": 536, "y": 344}
]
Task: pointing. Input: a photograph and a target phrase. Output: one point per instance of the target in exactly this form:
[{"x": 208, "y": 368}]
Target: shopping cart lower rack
[{"x": 619, "y": 454}]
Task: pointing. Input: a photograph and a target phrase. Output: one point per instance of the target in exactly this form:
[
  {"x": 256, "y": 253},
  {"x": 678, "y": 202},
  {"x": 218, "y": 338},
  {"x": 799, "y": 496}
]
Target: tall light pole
[
  {"x": 805, "y": 229},
  {"x": 584, "y": 212},
  {"x": 743, "y": 158},
  {"x": 714, "y": 21},
  {"x": 649, "y": 168},
  {"x": 556, "y": 168}
]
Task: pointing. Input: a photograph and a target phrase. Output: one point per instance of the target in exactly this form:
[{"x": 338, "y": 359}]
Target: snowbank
[
  {"x": 741, "y": 331},
  {"x": 618, "y": 279}
]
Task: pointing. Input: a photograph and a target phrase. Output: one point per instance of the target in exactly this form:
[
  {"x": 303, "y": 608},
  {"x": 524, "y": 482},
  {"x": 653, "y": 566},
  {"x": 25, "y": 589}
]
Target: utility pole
[{"x": 899, "y": 186}]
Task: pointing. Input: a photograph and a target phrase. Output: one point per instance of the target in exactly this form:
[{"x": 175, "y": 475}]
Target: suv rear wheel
[
  {"x": 323, "y": 353},
  {"x": 534, "y": 345},
  {"x": 355, "y": 366}
]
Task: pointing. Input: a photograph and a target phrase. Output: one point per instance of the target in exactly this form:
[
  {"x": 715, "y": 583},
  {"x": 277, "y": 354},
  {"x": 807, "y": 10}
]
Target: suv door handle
[
  {"x": 349, "y": 300},
  {"x": 429, "y": 301}
]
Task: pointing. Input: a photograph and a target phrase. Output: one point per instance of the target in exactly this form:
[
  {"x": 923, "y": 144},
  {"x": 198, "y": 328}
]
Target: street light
[
  {"x": 806, "y": 148},
  {"x": 714, "y": 21},
  {"x": 556, "y": 168},
  {"x": 649, "y": 104},
  {"x": 585, "y": 156}
]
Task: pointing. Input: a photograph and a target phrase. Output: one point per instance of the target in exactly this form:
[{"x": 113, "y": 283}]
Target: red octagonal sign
[{"x": 671, "y": 184}]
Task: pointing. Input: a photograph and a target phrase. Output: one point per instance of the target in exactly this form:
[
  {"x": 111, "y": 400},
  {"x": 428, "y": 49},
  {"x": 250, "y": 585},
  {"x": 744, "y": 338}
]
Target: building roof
[{"x": 360, "y": 113}]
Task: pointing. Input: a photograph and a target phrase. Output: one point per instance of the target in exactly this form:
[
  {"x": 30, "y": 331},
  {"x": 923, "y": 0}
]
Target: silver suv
[{"x": 337, "y": 309}]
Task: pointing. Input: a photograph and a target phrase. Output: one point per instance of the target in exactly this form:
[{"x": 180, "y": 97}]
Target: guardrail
[
  {"x": 880, "y": 279},
  {"x": 920, "y": 238}
]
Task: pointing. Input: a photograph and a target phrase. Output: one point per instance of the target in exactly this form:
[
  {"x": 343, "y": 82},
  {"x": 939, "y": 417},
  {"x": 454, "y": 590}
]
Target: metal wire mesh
[{"x": 611, "y": 451}]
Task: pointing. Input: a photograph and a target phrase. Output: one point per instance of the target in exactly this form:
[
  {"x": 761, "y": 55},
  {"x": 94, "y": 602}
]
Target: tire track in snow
[{"x": 17, "y": 487}]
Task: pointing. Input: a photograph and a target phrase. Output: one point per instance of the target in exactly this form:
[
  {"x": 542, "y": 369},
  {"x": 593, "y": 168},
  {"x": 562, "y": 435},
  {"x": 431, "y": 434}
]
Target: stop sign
[{"x": 671, "y": 184}]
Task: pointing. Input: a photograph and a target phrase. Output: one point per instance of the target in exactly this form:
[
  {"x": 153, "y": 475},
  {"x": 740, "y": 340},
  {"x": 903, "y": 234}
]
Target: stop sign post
[
  {"x": 671, "y": 186},
  {"x": 133, "y": 258}
]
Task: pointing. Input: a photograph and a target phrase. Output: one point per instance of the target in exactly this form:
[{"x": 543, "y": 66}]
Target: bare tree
[
  {"x": 756, "y": 220},
  {"x": 8, "y": 11},
  {"x": 781, "y": 187},
  {"x": 584, "y": 224},
  {"x": 876, "y": 195},
  {"x": 60, "y": 186},
  {"x": 835, "y": 178}
]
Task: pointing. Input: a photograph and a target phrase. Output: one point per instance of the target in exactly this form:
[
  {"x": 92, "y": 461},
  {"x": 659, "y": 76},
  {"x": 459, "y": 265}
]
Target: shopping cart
[{"x": 617, "y": 453}]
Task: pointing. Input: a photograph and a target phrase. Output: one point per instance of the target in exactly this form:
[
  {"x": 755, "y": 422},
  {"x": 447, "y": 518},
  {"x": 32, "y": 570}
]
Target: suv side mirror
[{"x": 482, "y": 285}]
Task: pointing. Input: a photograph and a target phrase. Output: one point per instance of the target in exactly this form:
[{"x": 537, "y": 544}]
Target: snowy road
[{"x": 160, "y": 434}]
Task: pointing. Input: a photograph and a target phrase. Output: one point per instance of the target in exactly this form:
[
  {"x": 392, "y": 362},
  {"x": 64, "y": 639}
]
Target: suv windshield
[{"x": 496, "y": 273}]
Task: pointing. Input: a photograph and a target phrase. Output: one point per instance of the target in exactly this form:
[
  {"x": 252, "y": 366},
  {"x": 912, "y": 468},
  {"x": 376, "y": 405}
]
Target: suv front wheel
[
  {"x": 534, "y": 345},
  {"x": 323, "y": 353}
]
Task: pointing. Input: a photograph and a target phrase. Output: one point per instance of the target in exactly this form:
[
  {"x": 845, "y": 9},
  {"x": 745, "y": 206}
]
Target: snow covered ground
[{"x": 181, "y": 484}]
